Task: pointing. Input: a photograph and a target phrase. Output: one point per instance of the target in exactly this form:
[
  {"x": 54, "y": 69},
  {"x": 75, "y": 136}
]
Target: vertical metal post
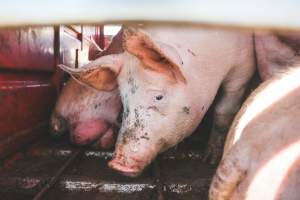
[
  {"x": 99, "y": 36},
  {"x": 76, "y": 58},
  {"x": 57, "y": 78},
  {"x": 102, "y": 37},
  {"x": 81, "y": 36}
]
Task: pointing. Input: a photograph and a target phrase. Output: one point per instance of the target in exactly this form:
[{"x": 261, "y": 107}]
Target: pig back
[
  {"x": 269, "y": 128},
  {"x": 276, "y": 52}
]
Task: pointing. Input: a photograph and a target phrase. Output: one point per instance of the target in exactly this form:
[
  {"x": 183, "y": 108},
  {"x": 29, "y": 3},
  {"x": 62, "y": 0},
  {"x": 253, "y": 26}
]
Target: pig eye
[
  {"x": 156, "y": 95},
  {"x": 159, "y": 97}
]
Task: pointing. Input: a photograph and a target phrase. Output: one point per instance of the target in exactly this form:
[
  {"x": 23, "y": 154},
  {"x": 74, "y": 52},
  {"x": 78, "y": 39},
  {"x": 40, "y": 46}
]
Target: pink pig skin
[
  {"x": 276, "y": 52},
  {"x": 168, "y": 76},
  {"x": 86, "y": 113},
  {"x": 208, "y": 59},
  {"x": 89, "y": 115},
  {"x": 261, "y": 158}
]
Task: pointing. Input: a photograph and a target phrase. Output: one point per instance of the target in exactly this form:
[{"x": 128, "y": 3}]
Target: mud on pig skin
[
  {"x": 261, "y": 158},
  {"x": 89, "y": 115},
  {"x": 168, "y": 77}
]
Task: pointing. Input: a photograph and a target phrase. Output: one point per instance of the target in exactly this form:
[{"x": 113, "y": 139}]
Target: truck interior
[{"x": 35, "y": 165}]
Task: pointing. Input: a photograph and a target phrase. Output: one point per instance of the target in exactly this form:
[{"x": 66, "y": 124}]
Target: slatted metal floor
[{"x": 54, "y": 169}]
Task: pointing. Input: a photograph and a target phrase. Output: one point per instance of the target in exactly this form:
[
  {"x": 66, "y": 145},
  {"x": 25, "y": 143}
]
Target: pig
[
  {"x": 89, "y": 115},
  {"x": 168, "y": 76},
  {"x": 261, "y": 158},
  {"x": 276, "y": 52}
]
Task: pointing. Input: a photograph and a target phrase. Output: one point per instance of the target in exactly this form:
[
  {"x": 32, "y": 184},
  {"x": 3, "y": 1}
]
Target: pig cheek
[{"x": 85, "y": 132}]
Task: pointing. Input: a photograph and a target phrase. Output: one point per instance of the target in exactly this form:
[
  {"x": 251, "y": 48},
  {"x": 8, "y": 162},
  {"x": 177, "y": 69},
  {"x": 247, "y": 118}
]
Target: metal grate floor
[{"x": 62, "y": 171}]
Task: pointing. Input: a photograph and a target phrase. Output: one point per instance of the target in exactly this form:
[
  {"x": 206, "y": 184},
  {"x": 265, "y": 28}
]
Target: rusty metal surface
[{"x": 27, "y": 48}]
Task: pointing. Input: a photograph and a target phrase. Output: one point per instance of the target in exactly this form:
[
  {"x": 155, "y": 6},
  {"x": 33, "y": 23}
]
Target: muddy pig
[
  {"x": 168, "y": 76},
  {"x": 261, "y": 158},
  {"x": 276, "y": 52}
]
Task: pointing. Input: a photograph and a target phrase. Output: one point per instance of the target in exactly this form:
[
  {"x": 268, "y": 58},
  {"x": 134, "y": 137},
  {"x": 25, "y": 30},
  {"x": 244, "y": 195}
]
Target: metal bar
[
  {"x": 73, "y": 32},
  {"x": 55, "y": 178},
  {"x": 81, "y": 37},
  {"x": 76, "y": 58},
  {"x": 258, "y": 13},
  {"x": 57, "y": 78},
  {"x": 101, "y": 37}
]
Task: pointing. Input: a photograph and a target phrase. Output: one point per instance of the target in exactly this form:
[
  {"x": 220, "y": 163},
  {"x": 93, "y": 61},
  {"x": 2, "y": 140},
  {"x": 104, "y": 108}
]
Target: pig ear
[
  {"x": 154, "y": 55},
  {"x": 100, "y": 74}
]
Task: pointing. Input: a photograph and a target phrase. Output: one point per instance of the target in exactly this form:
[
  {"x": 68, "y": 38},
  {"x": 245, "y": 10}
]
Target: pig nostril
[
  {"x": 58, "y": 125},
  {"x": 122, "y": 169}
]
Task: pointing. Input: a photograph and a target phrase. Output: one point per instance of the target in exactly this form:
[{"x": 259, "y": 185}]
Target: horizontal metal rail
[
  {"x": 254, "y": 13},
  {"x": 57, "y": 175}
]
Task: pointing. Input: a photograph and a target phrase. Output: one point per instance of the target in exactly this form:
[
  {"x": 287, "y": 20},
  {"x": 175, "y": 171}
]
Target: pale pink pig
[
  {"x": 168, "y": 77},
  {"x": 261, "y": 158},
  {"x": 276, "y": 52},
  {"x": 88, "y": 114}
]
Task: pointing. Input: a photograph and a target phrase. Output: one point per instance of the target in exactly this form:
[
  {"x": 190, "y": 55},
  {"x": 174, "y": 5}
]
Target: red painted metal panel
[
  {"x": 15, "y": 141},
  {"x": 25, "y": 101},
  {"x": 27, "y": 48},
  {"x": 27, "y": 93}
]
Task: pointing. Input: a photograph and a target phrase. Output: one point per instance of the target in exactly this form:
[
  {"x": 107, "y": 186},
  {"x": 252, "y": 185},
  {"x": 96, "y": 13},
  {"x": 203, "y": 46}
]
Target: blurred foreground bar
[{"x": 255, "y": 13}]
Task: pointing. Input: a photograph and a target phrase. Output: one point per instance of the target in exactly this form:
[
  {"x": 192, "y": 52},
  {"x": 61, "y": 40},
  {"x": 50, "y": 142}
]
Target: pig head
[
  {"x": 90, "y": 115},
  {"x": 159, "y": 86},
  {"x": 152, "y": 90}
]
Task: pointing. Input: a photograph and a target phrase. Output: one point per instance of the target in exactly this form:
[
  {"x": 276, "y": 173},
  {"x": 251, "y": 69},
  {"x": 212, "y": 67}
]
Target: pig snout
[
  {"x": 58, "y": 125},
  {"x": 128, "y": 166},
  {"x": 84, "y": 133},
  {"x": 132, "y": 155}
]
